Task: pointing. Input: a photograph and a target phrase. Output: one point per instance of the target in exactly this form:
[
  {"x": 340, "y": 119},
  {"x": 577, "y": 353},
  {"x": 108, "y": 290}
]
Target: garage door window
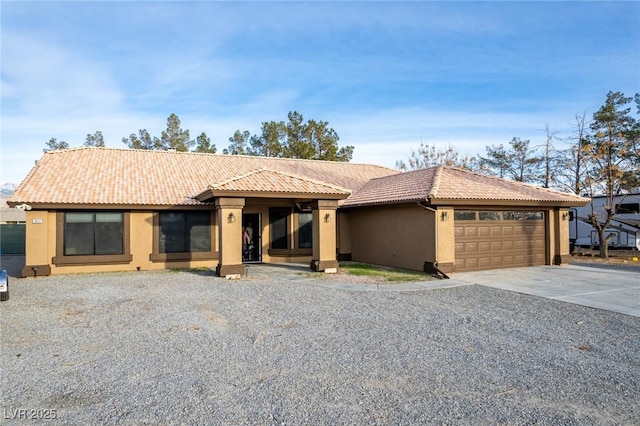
[
  {"x": 462, "y": 215},
  {"x": 489, "y": 215},
  {"x": 533, "y": 216},
  {"x": 513, "y": 215}
]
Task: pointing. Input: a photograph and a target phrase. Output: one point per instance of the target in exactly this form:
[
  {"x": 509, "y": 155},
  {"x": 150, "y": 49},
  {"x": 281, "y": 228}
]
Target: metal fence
[{"x": 12, "y": 238}]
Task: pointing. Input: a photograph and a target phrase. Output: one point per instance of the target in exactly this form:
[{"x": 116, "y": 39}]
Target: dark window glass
[
  {"x": 533, "y": 216},
  {"x": 305, "y": 230},
  {"x": 92, "y": 233},
  {"x": 198, "y": 227},
  {"x": 464, "y": 215},
  {"x": 489, "y": 215},
  {"x": 513, "y": 215},
  {"x": 182, "y": 232},
  {"x": 628, "y": 208},
  {"x": 278, "y": 219}
]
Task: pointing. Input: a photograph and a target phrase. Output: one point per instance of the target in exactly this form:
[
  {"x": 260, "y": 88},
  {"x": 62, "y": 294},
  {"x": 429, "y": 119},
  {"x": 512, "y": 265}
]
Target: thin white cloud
[
  {"x": 48, "y": 79},
  {"x": 386, "y": 76}
]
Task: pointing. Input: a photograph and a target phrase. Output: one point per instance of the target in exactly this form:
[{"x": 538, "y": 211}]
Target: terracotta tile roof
[
  {"x": 409, "y": 186},
  {"x": 108, "y": 176},
  {"x": 440, "y": 185},
  {"x": 265, "y": 180}
]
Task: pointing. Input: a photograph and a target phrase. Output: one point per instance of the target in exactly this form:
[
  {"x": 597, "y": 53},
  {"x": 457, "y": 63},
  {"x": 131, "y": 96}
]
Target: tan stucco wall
[
  {"x": 399, "y": 236},
  {"x": 41, "y": 246},
  {"x": 560, "y": 250},
  {"x": 39, "y": 237},
  {"x": 325, "y": 233},
  {"x": 230, "y": 231},
  {"x": 446, "y": 253},
  {"x": 141, "y": 225}
]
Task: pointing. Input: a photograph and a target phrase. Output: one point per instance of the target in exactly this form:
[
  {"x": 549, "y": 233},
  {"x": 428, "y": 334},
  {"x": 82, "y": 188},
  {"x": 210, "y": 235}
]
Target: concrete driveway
[{"x": 602, "y": 288}]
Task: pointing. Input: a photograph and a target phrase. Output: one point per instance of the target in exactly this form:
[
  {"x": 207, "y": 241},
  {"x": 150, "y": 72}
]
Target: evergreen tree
[
  {"x": 54, "y": 145},
  {"x": 203, "y": 144},
  {"x": 95, "y": 139},
  {"x": 612, "y": 159},
  {"x": 174, "y": 137}
]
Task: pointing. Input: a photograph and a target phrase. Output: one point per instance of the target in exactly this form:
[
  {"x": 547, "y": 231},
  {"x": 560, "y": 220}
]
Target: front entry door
[{"x": 251, "y": 238}]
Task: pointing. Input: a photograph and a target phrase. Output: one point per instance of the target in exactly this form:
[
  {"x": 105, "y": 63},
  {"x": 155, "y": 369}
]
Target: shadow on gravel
[
  {"x": 13, "y": 264},
  {"x": 203, "y": 272}
]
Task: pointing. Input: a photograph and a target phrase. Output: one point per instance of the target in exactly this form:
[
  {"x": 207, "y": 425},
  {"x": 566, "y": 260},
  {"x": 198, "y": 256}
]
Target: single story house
[{"x": 104, "y": 209}]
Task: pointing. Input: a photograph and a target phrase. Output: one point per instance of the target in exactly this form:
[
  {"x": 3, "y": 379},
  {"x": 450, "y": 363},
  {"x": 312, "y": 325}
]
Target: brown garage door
[{"x": 498, "y": 239}]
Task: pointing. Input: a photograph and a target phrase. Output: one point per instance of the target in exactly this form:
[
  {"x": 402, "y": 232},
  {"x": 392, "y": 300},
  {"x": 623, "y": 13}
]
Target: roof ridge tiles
[
  {"x": 308, "y": 179},
  {"x": 278, "y": 172},
  {"x": 435, "y": 184},
  {"x": 215, "y": 154},
  {"x": 237, "y": 177}
]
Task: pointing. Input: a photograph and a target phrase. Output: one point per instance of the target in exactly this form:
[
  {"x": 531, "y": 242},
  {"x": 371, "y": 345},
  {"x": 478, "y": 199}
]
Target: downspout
[{"x": 432, "y": 267}]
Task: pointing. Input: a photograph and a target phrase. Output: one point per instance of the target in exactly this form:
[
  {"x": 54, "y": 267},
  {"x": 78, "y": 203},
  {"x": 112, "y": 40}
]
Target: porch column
[
  {"x": 559, "y": 219},
  {"x": 229, "y": 220},
  {"x": 324, "y": 235}
]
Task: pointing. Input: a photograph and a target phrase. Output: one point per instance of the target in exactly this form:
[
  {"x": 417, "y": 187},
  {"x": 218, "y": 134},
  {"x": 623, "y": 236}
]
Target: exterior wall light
[
  {"x": 231, "y": 218},
  {"x": 23, "y": 207},
  {"x": 444, "y": 216},
  {"x": 565, "y": 215},
  {"x": 327, "y": 218}
]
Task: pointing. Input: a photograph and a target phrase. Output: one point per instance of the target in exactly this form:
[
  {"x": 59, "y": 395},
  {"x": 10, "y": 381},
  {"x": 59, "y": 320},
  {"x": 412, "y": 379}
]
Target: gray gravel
[{"x": 188, "y": 348}]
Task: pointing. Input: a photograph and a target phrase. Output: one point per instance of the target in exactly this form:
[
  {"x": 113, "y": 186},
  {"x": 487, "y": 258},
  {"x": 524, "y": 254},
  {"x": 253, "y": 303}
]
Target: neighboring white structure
[
  {"x": 625, "y": 225},
  {"x": 9, "y": 214}
]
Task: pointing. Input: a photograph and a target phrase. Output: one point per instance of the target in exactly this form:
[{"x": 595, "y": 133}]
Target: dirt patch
[{"x": 627, "y": 258}]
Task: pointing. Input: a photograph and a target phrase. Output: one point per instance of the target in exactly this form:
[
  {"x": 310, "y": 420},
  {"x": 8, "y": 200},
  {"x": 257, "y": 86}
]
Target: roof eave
[
  {"x": 216, "y": 193},
  {"x": 114, "y": 206},
  {"x": 382, "y": 203},
  {"x": 497, "y": 202}
]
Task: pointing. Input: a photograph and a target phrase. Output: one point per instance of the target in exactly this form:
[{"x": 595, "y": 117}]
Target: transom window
[
  {"x": 185, "y": 231},
  {"x": 93, "y": 233}
]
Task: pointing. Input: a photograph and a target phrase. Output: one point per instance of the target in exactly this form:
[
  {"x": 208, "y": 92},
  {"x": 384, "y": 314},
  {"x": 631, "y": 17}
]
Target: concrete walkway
[{"x": 608, "y": 289}]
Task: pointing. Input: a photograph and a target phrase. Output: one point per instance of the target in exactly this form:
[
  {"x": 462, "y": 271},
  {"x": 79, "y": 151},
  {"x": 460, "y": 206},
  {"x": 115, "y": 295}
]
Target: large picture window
[
  {"x": 185, "y": 231},
  {"x": 93, "y": 233}
]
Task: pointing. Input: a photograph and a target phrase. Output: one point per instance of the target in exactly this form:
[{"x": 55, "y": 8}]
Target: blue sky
[{"x": 385, "y": 75}]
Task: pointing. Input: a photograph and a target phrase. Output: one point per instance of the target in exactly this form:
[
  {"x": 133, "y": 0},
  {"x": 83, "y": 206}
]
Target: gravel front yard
[{"x": 183, "y": 347}]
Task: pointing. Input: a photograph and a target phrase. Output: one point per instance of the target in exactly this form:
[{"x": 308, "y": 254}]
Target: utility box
[{"x": 4, "y": 285}]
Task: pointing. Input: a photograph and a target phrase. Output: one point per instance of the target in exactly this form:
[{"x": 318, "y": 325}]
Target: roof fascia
[
  {"x": 212, "y": 193},
  {"x": 515, "y": 203},
  {"x": 79, "y": 206}
]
